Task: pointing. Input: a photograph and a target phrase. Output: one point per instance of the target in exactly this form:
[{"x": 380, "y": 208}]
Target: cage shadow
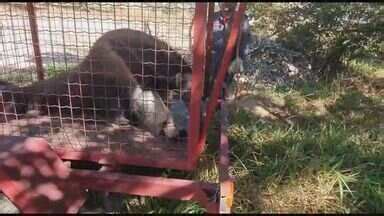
[
  {"x": 97, "y": 137},
  {"x": 38, "y": 177}
]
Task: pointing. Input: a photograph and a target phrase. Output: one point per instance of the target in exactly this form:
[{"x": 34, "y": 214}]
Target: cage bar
[{"x": 35, "y": 41}]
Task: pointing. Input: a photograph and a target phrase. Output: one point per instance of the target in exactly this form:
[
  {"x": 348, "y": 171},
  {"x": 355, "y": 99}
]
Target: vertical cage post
[
  {"x": 199, "y": 33},
  {"x": 219, "y": 79},
  {"x": 35, "y": 40}
]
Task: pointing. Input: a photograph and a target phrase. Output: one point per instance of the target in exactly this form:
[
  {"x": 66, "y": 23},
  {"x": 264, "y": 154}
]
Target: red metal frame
[
  {"x": 18, "y": 153},
  {"x": 121, "y": 158},
  {"x": 171, "y": 188},
  {"x": 213, "y": 101},
  {"x": 197, "y": 137},
  {"x": 168, "y": 187},
  {"x": 199, "y": 33}
]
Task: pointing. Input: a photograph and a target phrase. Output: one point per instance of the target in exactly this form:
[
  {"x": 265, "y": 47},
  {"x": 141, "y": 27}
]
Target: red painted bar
[
  {"x": 35, "y": 40},
  {"x": 121, "y": 158},
  {"x": 199, "y": 33},
  {"x": 171, "y": 188},
  {"x": 179, "y": 189}
]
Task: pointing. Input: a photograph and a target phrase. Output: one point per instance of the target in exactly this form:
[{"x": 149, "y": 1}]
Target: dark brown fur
[
  {"x": 11, "y": 101},
  {"x": 154, "y": 64},
  {"x": 79, "y": 94},
  {"x": 114, "y": 64}
]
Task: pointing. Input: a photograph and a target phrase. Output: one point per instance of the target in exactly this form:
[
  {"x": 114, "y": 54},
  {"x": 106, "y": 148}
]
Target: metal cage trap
[{"x": 98, "y": 82}]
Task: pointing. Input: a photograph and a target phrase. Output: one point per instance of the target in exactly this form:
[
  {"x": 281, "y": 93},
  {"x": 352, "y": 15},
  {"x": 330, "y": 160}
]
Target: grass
[
  {"x": 368, "y": 67},
  {"x": 53, "y": 70},
  {"x": 330, "y": 163},
  {"x": 19, "y": 77},
  {"x": 278, "y": 157},
  {"x": 26, "y": 76},
  {"x": 160, "y": 206}
]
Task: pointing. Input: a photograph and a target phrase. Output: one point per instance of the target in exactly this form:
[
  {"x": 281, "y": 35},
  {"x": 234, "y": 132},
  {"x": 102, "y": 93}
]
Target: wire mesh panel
[{"x": 112, "y": 72}]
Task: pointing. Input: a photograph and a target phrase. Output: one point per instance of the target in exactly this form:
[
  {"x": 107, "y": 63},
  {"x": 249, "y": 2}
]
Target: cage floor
[{"x": 81, "y": 136}]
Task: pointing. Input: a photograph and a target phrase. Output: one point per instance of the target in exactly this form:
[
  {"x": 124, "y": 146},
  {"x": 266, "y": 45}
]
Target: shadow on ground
[{"x": 301, "y": 152}]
